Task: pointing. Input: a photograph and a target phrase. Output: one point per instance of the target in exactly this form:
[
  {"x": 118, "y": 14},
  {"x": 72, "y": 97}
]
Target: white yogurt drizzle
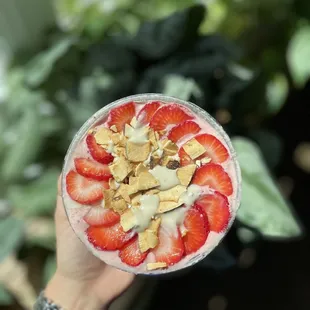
[
  {"x": 167, "y": 178},
  {"x": 110, "y": 148},
  {"x": 137, "y": 134},
  {"x": 143, "y": 214},
  {"x": 171, "y": 220}
]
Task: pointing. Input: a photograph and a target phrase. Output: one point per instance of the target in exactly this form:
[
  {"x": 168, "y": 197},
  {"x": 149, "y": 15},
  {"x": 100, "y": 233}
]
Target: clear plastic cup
[{"x": 75, "y": 212}]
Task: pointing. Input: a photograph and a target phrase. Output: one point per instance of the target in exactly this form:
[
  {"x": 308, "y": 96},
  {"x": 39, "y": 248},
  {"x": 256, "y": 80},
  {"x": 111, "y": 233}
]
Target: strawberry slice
[
  {"x": 182, "y": 130},
  {"x": 108, "y": 238},
  {"x": 214, "y": 148},
  {"x": 196, "y": 224},
  {"x": 98, "y": 216},
  {"x": 122, "y": 115},
  {"x": 170, "y": 248},
  {"x": 168, "y": 115},
  {"x": 147, "y": 112},
  {"x": 97, "y": 152},
  {"x": 217, "y": 209},
  {"x": 184, "y": 158},
  {"x": 83, "y": 190},
  {"x": 131, "y": 255},
  {"x": 91, "y": 169},
  {"x": 214, "y": 176}
]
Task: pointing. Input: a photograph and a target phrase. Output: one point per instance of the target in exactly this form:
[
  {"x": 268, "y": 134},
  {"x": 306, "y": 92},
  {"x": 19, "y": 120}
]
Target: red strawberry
[
  {"x": 98, "y": 216},
  {"x": 131, "y": 255},
  {"x": 217, "y": 210},
  {"x": 170, "y": 248},
  {"x": 214, "y": 176},
  {"x": 97, "y": 152},
  {"x": 91, "y": 169},
  {"x": 183, "y": 129},
  {"x": 196, "y": 224},
  {"x": 147, "y": 112},
  {"x": 168, "y": 115},
  {"x": 83, "y": 190},
  {"x": 214, "y": 148},
  {"x": 122, "y": 115},
  {"x": 108, "y": 238},
  {"x": 184, "y": 158}
]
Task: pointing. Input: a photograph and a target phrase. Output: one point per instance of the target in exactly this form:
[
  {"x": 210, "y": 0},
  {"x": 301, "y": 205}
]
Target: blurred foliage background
[{"x": 240, "y": 60}]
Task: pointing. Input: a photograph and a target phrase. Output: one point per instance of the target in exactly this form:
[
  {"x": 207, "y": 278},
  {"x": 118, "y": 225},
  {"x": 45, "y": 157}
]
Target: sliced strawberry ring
[
  {"x": 98, "y": 216},
  {"x": 147, "y": 112},
  {"x": 122, "y": 115},
  {"x": 214, "y": 148},
  {"x": 131, "y": 255},
  {"x": 216, "y": 207},
  {"x": 170, "y": 248},
  {"x": 196, "y": 224},
  {"x": 83, "y": 190},
  {"x": 215, "y": 177},
  {"x": 91, "y": 169},
  {"x": 97, "y": 152},
  {"x": 170, "y": 114},
  {"x": 184, "y": 129},
  {"x": 108, "y": 238}
]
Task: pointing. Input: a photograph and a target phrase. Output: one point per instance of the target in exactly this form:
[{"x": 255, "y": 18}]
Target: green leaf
[
  {"x": 91, "y": 17},
  {"x": 11, "y": 235},
  {"x": 217, "y": 12},
  {"x": 276, "y": 92},
  {"x": 160, "y": 38},
  {"x": 178, "y": 86},
  {"x": 49, "y": 269},
  {"x": 5, "y": 298},
  {"x": 39, "y": 68},
  {"x": 302, "y": 8},
  {"x": 108, "y": 56},
  {"x": 262, "y": 206},
  {"x": 298, "y": 54},
  {"x": 37, "y": 197},
  {"x": 148, "y": 10},
  {"x": 26, "y": 147}
]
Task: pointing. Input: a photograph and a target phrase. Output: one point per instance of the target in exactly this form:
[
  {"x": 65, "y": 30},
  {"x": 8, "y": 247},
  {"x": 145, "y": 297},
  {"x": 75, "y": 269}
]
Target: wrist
[{"x": 72, "y": 294}]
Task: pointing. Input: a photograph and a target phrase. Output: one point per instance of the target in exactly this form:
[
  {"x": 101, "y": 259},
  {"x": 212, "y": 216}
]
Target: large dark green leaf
[
  {"x": 160, "y": 38},
  {"x": 202, "y": 61},
  {"x": 110, "y": 56},
  {"x": 302, "y": 8},
  {"x": 11, "y": 235},
  {"x": 262, "y": 205},
  {"x": 210, "y": 44},
  {"x": 197, "y": 67}
]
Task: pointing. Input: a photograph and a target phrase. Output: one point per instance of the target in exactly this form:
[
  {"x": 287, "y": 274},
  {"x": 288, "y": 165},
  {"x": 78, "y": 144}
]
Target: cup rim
[{"x": 143, "y": 98}]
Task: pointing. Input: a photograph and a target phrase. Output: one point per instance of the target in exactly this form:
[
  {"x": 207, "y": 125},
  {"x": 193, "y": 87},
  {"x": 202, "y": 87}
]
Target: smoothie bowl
[{"x": 151, "y": 184}]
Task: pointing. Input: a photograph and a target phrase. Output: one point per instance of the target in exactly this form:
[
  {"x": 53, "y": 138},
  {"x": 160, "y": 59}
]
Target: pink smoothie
[{"x": 76, "y": 211}]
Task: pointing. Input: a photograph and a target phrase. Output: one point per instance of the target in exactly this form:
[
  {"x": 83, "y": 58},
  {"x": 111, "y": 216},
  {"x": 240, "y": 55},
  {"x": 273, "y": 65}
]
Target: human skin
[{"x": 81, "y": 280}]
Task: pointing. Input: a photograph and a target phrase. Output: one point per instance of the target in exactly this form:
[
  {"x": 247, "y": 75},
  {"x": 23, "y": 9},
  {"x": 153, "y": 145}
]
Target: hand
[{"x": 81, "y": 281}]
